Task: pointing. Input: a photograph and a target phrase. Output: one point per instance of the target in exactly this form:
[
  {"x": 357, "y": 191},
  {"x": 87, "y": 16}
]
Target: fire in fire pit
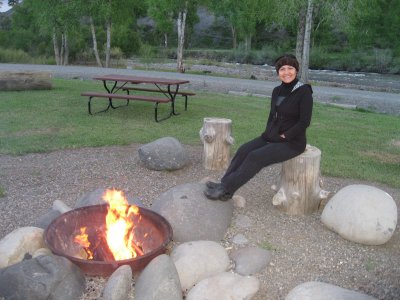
[{"x": 100, "y": 238}]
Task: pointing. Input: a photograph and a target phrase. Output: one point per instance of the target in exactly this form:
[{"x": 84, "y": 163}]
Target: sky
[{"x": 4, "y": 6}]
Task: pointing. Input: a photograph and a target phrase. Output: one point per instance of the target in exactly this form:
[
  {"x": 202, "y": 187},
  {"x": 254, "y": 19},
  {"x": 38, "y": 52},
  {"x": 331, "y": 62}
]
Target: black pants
[{"x": 251, "y": 157}]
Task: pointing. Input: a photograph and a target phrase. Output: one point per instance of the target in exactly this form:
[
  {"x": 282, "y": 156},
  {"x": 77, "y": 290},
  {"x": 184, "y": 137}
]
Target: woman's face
[{"x": 287, "y": 73}]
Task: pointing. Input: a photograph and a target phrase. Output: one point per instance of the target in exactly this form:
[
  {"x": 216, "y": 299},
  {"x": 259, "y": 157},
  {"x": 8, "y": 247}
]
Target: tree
[
  {"x": 89, "y": 9},
  {"x": 163, "y": 17},
  {"x": 20, "y": 31},
  {"x": 305, "y": 53},
  {"x": 181, "y": 23},
  {"x": 374, "y": 24},
  {"x": 251, "y": 13},
  {"x": 107, "y": 13},
  {"x": 230, "y": 10},
  {"x": 13, "y": 2},
  {"x": 56, "y": 18},
  {"x": 243, "y": 16},
  {"x": 180, "y": 10},
  {"x": 303, "y": 11}
]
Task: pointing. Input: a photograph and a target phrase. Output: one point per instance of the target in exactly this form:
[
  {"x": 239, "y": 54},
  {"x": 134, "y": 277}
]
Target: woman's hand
[{"x": 282, "y": 136}]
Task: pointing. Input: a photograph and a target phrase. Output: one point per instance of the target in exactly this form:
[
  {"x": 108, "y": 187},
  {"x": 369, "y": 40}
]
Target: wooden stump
[
  {"x": 216, "y": 137},
  {"x": 21, "y": 81},
  {"x": 300, "y": 189}
]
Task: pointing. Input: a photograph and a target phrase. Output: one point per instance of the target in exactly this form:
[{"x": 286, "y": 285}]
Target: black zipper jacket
[{"x": 291, "y": 117}]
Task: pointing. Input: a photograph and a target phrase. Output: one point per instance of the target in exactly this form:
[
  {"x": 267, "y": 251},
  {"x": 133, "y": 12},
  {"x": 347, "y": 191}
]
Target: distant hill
[{"x": 7, "y": 13}]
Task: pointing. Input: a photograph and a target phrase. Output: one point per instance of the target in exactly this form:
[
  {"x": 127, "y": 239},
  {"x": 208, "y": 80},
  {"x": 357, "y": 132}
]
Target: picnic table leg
[
  {"x": 106, "y": 87},
  {"x": 173, "y": 96},
  {"x": 186, "y": 102},
  {"x": 155, "y": 114},
  {"x": 90, "y": 110},
  {"x": 111, "y": 91}
]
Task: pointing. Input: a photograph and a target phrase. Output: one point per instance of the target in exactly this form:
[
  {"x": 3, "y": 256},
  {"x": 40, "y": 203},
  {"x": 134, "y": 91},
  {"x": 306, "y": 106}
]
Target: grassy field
[{"x": 354, "y": 144}]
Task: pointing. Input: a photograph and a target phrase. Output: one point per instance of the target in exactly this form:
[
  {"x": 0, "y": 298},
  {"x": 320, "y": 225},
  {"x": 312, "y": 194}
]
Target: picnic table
[{"x": 114, "y": 84}]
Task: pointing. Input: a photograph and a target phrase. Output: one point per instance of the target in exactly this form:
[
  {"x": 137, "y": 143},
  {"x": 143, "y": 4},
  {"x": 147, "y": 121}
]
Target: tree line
[{"x": 72, "y": 28}]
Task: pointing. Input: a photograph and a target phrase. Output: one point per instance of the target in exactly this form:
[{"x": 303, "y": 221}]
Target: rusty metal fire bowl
[{"x": 152, "y": 231}]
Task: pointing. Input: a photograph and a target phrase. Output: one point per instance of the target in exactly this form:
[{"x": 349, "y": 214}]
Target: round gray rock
[
  {"x": 163, "y": 154},
  {"x": 18, "y": 243},
  {"x": 95, "y": 197},
  {"x": 45, "y": 220},
  {"x": 119, "y": 285},
  {"x": 198, "y": 260},
  {"x": 250, "y": 260},
  {"x": 192, "y": 216},
  {"x": 319, "y": 290},
  {"x": 43, "y": 277},
  {"x": 225, "y": 286},
  {"x": 362, "y": 214},
  {"x": 159, "y": 280}
]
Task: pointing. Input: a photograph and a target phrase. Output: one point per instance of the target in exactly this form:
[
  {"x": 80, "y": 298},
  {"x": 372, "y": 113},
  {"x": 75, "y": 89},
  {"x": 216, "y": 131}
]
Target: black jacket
[{"x": 291, "y": 117}]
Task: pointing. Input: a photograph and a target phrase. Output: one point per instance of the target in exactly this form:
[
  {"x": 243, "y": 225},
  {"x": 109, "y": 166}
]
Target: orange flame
[
  {"x": 119, "y": 232},
  {"x": 119, "y": 226},
  {"x": 83, "y": 240}
]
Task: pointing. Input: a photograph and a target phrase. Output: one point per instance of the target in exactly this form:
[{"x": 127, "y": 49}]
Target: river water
[{"x": 384, "y": 82}]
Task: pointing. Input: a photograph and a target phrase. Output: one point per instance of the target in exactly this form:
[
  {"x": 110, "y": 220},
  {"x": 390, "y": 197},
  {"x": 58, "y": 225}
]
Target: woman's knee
[
  {"x": 253, "y": 157},
  {"x": 250, "y": 146},
  {"x": 242, "y": 152}
]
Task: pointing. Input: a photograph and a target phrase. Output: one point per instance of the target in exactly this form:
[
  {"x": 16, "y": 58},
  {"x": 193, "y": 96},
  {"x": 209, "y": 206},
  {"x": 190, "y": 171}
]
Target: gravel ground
[{"x": 302, "y": 248}]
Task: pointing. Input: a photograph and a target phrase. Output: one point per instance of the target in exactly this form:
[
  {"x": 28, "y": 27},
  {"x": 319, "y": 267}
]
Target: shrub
[
  {"x": 147, "y": 53},
  {"x": 383, "y": 60},
  {"x": 20, "y": 56},
  {"x": 319, "y": 58},
  {"x": 14, "y": 56}
]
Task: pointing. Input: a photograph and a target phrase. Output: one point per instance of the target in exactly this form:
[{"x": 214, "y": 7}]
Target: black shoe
[
  {"x": 217, "y": 193},
  {"x": 212, "y": 185}
]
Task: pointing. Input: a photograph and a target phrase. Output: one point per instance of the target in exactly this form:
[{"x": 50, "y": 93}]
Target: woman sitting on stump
[{"x": 283, "y": 138}]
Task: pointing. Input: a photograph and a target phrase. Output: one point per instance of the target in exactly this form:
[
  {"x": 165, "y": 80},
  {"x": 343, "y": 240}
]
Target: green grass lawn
[{"x": 354, "y": 144}]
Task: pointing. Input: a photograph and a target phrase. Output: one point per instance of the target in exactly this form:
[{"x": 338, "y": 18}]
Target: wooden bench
[
  {"x": 144, "y": 89},
  {"x": 128, "y": 97}
]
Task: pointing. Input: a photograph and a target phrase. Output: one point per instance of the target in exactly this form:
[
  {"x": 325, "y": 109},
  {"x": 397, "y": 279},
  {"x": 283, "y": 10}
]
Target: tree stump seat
[
  {"x": 216, "y": 137},
  {"x": 299, "y": 191}
]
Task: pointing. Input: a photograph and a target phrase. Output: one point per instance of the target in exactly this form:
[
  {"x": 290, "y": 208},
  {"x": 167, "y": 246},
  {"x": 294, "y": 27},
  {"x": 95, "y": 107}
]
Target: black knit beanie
[{"x": 286, "y": 59}]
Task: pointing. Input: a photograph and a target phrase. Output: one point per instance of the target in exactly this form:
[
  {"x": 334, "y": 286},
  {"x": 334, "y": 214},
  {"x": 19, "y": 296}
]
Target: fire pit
[{"x": 151, "y": 234}]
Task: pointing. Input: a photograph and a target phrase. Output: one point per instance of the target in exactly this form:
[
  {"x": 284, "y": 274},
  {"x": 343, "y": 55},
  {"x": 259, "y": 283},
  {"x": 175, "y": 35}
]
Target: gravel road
[{"x": 347, "y": 94}]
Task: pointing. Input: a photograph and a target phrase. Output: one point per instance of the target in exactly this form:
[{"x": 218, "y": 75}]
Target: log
[
  {"x": 300, "y": 186},
  {"x": 216, "y": 137},
  {"x": 21, "y": 81}
]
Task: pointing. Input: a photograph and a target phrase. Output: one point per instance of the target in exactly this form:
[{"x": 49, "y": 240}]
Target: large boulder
[
  {"x": 43, "y": 277},
  {"x": 20, "y": 243},
  {"x": 319, "y": 290},
  {"x": 163, "y": 154},
  {"x": 225, "y": 286},
  {"x": 159, "y": 280},
  {"x": 362, "y": 214},
  {"x": 198, "y": 260},
  {"x": 95, "y": 197},
  {"x": 44, "y": 220},
  {"x": 192, "y": 216},
  {"x": 119, "y": 285}
]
